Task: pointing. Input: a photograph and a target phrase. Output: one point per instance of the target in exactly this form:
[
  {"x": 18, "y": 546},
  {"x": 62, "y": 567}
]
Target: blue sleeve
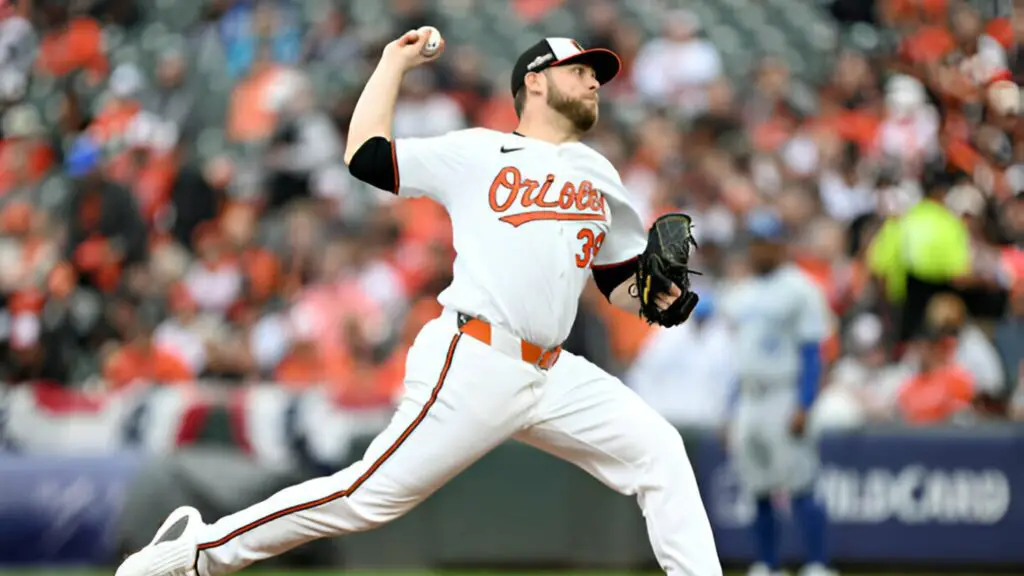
[{"x": 810, "y": 372}]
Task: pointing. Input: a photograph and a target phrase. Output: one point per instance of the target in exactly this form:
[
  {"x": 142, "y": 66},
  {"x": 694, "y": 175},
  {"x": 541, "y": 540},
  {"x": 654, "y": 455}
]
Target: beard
[{"x": 577, "y": 111}]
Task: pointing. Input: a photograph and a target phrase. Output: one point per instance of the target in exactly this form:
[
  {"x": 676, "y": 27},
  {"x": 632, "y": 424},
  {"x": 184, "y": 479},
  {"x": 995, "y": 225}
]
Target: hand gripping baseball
[{"x": 416, "y": 47}]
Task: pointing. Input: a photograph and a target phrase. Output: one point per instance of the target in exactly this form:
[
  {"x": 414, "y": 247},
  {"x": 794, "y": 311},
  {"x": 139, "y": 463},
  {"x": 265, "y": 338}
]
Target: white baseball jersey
[
  {"x": 529, "y": 219},
  {"x": 772, "y": 317}
]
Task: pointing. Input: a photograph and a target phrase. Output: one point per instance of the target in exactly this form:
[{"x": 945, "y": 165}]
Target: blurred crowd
[{"x": 174, "y": 208}]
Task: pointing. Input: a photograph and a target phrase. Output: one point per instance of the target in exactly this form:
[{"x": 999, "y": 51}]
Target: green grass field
[
  {"x": 258, "y": 572},
  {"x": 339, "y": 572},
  {"x": 458, "y": 573}
]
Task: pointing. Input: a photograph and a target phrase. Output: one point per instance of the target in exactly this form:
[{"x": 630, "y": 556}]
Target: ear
[{"x": 535, "y": 82}]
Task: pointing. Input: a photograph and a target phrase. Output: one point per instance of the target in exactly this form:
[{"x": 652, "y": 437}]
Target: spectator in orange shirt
[
  {"x": 496, "y": 112},
  {"x": 147, "y": 165},
  {"x": 534, "y": 10},
  {"x": 626, "y": 333},
  {"x": 302, "y": 366},
  {"x": 1001, "y": 30},
  {"x": 251, "y": 113},
  {"x": 370, "y": 376},
  {"x": 928, "y": 45},
  {"x": 260, "y": 269},
  {"x": 140, "y": 359},
  {"x": 70, "y": 45},
  {"x": 940, "y": 389}
]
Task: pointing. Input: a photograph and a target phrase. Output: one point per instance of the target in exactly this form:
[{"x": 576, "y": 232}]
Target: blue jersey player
[{"x": 780, "y": 318}]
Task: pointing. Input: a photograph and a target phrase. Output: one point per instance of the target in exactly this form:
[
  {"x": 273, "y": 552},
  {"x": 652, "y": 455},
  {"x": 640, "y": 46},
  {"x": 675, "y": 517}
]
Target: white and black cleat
[{"x": 172, "y": 552}]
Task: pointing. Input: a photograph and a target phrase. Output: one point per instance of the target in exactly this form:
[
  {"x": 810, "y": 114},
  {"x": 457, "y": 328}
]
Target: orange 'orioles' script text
[{"x": 509, "y": 186}]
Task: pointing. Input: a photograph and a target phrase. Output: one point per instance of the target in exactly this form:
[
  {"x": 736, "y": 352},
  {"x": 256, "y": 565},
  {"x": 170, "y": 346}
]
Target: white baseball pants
[
  {"x": 462, "y": 399},
  {"x": 766, "y": 455}
]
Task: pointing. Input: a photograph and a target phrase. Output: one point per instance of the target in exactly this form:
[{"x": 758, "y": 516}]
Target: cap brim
[{"x": 606, "y": 64}]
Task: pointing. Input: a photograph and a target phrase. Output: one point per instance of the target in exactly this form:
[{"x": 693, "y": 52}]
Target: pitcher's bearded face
[
  {"x": 572, "y": 93},
  {"x": 581, "y": 112}
]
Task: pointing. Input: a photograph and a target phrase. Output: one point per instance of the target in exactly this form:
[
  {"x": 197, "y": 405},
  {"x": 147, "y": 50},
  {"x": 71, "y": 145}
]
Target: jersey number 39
[{"x": 591, "y": 245}]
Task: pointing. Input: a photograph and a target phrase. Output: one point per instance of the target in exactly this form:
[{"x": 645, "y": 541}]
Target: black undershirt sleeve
[
  {"x": 610, "y": 276},
  {"x": 375, "y": 164}
]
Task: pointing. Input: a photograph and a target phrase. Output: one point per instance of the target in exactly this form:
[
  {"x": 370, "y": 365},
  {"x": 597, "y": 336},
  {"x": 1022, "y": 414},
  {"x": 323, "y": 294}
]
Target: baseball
[{"x": 434, "y": 40}]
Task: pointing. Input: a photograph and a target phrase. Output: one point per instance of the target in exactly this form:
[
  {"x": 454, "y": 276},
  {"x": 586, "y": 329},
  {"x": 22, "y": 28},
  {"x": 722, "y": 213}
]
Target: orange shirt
[
  {"x": 92, "y": 258},
  {"x": 534, "y": 10},
  {"x": 933, "y": 397},
  {"x": 151, "y": 182},
  {"x": 348, "y": 382},
  {"x": 497, "y": 113},
  {"x": 962, "y": 155},
  {"x": 1013, "y": 263},
  {"x": 423, "y": 310},
  {"x": 364, "y": 385},
  {"x": 965, "y": 157},
  {"x": 79, "y": 46},
  {"x": 902, "y": 11},
  {"x": 300, "y": 370},
  {"x": 928, "y": 45},
  {"x": 30, "y": 163},
  {"x": 627, "y": 332},
  {"x": 423, "y": 219},
  {"x": 113, "y": 120},
  {"x": 129, "y": 363},
  {"x": 250, "y": 117},
  {"x": 1001, "y": 29},
  {"x": 262, "y": 269},
  {"x": 858, "y": 126},
  {"x": 770, "y": 135}
]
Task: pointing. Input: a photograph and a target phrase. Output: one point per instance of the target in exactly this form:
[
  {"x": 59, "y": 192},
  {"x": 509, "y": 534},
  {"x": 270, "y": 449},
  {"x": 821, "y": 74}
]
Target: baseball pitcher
[
  {"x": 780, "y": 319},
  {"x": 535, "y": 214}
]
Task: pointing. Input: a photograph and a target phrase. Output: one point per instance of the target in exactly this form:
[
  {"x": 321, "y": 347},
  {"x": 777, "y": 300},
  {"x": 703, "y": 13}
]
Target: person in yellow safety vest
[{"x": 922, "y": 252}]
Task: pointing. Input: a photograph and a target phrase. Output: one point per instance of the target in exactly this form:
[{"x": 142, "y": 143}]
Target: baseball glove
[{"x": 663, "y": 263}]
